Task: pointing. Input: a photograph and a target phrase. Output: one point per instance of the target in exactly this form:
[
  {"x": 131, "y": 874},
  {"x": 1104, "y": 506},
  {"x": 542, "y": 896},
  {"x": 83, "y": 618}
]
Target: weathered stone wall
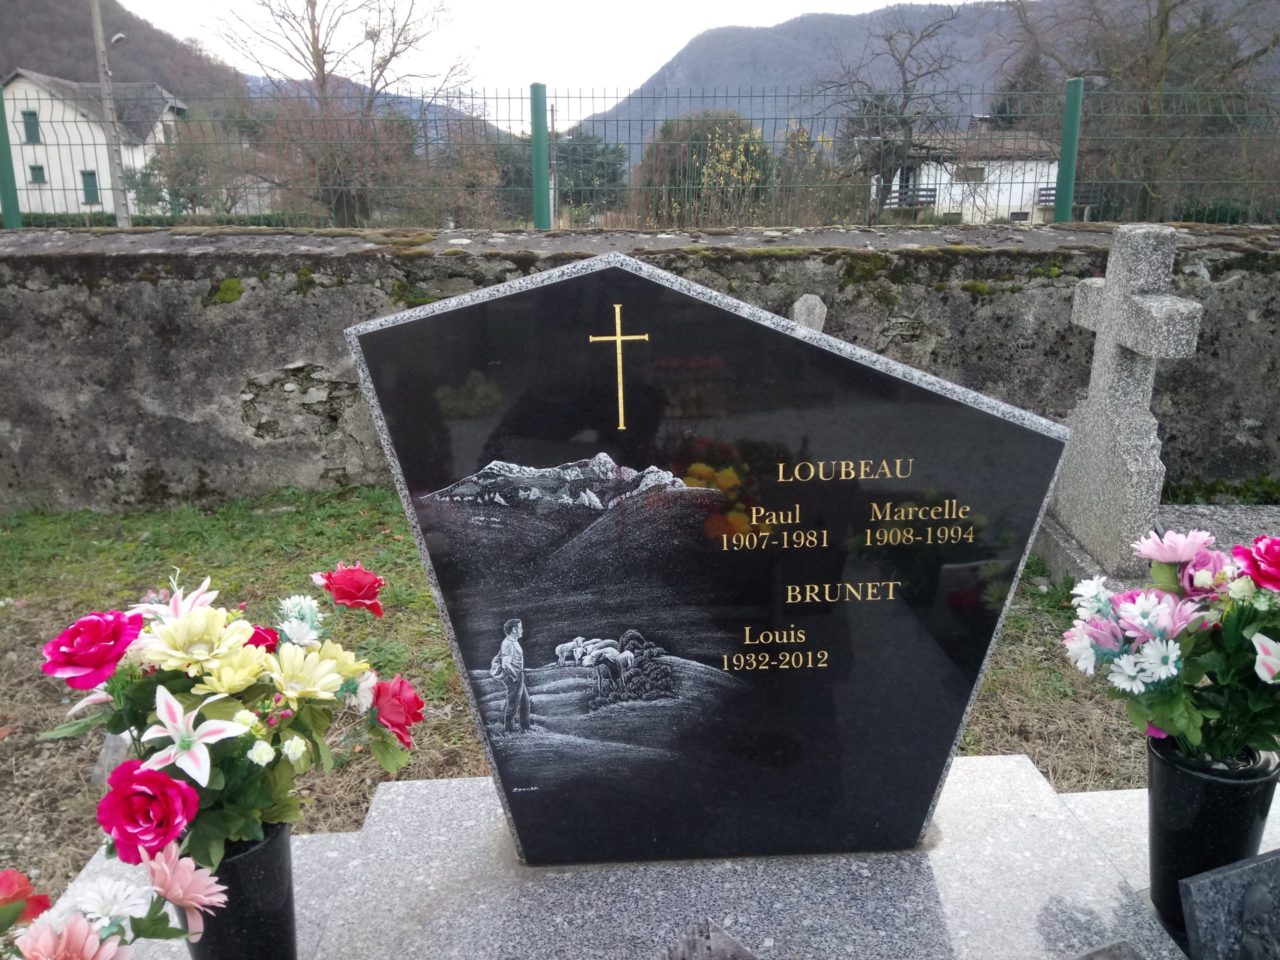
[{"x": 146, "y": 366}]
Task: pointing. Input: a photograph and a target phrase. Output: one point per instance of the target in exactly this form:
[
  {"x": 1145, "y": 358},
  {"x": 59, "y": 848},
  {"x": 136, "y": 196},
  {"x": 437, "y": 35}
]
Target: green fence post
[
  {"x": 1065, "y": 195},
  {"x": 10, "y": 216},
  {"x": 541, "y": 158}
]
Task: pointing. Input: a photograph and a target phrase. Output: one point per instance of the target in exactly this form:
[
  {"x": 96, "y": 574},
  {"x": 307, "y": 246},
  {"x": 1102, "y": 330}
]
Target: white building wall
[
  {"x": 1008, "y": 187},
  {"x": 69, "y": 144}
]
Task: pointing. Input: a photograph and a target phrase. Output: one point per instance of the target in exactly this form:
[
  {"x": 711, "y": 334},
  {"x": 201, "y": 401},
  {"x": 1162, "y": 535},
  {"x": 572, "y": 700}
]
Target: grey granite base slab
[
  {"x": 1117, "y": 820},
  {"x": 319, "y": 862},
  {"x": 1007, "y": 872}
]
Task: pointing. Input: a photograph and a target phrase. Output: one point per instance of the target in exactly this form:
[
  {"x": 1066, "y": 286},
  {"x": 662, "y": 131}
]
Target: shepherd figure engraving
[{"x": 508, "y": 666}]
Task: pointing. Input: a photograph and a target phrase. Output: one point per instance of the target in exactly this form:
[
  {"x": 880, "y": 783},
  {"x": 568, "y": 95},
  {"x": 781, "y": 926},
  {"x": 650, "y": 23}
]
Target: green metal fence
[{"x": 685, "y": 159}]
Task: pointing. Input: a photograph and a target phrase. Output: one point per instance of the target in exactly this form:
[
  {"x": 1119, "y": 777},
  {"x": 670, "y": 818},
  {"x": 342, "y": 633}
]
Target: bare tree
[
  {"x": 886, "y": 94},
  {"x": 1150, "y": 46},
  {"x": 1171, "y": 113},
  {"x": 335, "y": 43},
  {"x": 334, "y": 137}
]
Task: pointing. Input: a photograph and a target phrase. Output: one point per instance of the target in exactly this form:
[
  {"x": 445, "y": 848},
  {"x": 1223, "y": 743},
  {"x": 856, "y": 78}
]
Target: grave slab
[
  {"x": 1101, "y": 811},
  {"x": 1006, "y": 871}
]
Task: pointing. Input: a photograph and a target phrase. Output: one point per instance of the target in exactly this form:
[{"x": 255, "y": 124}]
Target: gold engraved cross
[{"x": 617, "y": 338}]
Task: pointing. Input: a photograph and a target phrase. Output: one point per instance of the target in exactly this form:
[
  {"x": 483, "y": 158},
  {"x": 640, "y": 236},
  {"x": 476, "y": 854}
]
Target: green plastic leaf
[
  {"x": 10, "y": 913},
  {"x": 155, "y": 927},
  {"x": 1165, "y": 576},
  {"x": 323, "y": 753},
  {"x": 388, "y": 752},
  {"x": 76, "y": 727},
  {"x": 288, "y": 810}
]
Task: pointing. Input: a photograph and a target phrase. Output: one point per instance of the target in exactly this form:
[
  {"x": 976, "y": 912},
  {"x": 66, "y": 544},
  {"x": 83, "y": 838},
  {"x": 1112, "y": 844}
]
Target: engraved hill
[{"x": 491, "y": 524}]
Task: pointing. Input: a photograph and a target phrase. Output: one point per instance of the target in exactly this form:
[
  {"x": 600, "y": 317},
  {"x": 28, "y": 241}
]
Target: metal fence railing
[{"x": 648, "y": 159}]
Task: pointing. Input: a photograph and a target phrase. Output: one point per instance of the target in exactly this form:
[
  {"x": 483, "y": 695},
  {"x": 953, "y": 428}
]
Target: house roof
[
  {"x": 138, "y": 105},
  {"x": 980, "y": 141}
]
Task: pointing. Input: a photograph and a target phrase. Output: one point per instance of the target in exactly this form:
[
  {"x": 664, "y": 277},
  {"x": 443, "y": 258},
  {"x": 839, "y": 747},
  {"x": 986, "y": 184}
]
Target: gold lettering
[{"x": 844, "y": 592}]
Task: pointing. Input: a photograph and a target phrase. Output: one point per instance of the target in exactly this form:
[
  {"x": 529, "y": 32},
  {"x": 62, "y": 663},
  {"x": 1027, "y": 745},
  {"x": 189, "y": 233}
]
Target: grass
[{"x": 60, "y": 565}]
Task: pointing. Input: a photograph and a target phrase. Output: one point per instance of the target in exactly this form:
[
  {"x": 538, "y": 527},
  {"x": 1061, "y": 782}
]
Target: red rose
[
  {"x": 86, "y": 653},
  {"x": 264, "y": 637},
  {"x": 355, "y": 587},
  {"x": 399, "y": 707},
  {"x": 14, "y": 886},
  {"x": 1261, "y": 562},
  {"x": 145, "y": 810}
]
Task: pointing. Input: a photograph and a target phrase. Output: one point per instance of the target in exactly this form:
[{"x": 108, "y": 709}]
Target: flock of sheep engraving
[{"x": 604, "y": 655}]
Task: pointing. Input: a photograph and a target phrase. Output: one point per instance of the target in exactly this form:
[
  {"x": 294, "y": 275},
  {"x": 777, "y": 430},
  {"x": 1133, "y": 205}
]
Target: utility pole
[{"x": 119, "y": 199}]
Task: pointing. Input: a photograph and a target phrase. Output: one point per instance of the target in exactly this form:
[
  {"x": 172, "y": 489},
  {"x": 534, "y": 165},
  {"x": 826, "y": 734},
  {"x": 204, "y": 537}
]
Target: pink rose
[
  {"x": 86, "y": 653},
  {"x": 1209, "y": 562},
  {"x": 145, "y": 810},
  {"x": 354, "y": 587},
  {"x": 399, "y": 707},
  {"x": 1262, "y": 562},
  {"x": 264, "y": 637}
]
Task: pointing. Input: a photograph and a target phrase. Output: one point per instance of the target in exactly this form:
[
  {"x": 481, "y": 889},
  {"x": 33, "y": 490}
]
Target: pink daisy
[
  {"x": 185, "y": 885},
  {"x": 77, "y": 940}
]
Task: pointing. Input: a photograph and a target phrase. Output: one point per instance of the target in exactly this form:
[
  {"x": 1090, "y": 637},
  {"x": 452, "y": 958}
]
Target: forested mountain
[{"x": 56, "y": 37}]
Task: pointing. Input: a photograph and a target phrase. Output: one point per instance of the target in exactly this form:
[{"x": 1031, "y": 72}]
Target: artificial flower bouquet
[
  {"x": 223, "y": 716},
  {"x": 1197, "y": 654}
]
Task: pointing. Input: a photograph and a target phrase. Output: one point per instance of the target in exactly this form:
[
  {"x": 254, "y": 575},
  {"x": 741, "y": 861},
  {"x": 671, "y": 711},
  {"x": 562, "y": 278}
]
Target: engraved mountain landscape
[{"x": 568, "y": 518}]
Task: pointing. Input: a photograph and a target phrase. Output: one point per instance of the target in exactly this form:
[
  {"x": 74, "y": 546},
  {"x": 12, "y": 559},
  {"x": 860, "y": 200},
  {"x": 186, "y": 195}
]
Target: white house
[
  {"x": 59, "y": 140},
  {"x": 979, "y": 174}
]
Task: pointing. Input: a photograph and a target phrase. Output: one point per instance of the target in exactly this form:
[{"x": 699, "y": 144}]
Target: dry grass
[
  {"x": 1034, "y": 702},
  {"x": 64, "y": 564}
]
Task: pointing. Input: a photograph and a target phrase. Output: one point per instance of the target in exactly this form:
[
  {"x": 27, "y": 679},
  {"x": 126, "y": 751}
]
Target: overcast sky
[{"x": 566, "y": 44}]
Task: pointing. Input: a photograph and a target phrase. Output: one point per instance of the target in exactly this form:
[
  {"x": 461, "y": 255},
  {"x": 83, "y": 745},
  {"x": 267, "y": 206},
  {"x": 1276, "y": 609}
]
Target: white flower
[
  {"x": 1079, "y": 648},
  {"x": 246, "y": 718},
  {"x": 1202, "y": 580},
  {"x": 1091, "y": 596},
  {"x": 1158, "y": 660},
  {"x": 188, "y": 749},
  {"x": 106, "y": 900},
  {"x": 299, "y": 632},
  {"x": 301, "y": 607},
  {"x": 1242, "y": 589},
  {"x": 295, "y": 748},
  {"x": 362, "y": 699},
  {"x": 262, "y": 753},
  {"x": 1126, "y": 674}
]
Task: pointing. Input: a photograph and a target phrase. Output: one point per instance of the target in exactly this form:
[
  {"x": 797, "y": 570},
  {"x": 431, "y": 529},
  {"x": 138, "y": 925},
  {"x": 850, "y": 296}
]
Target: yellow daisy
[
  {"x": 237, "y": 671},
  {"x": 344, "y": 661},
  {"x": 196, "y": 642},
  {"x": 300, "y": 675}
]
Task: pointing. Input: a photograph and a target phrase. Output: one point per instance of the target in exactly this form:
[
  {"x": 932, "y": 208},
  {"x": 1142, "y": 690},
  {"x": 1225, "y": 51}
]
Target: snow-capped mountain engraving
[
  {"x": 574, "y": 521},
  {"x": 597, "y": 484}
]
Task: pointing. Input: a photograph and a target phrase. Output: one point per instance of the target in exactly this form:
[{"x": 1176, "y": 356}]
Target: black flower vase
[
  {"x": 1201, "y": 817},
  {"x": 257, "y": 921}
]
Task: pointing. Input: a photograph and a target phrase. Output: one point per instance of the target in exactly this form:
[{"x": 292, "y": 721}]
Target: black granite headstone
[
  {"x": 719, "y": 585},
  {"x": 1233, "y": 913}
]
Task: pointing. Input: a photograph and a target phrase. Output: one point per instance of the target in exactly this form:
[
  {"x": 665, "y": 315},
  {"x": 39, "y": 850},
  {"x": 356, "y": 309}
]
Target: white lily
[
  {"x": 188, "y": 750},
  {"x": 178, "y": 606},
  {"x": 1267, "y": 666}
]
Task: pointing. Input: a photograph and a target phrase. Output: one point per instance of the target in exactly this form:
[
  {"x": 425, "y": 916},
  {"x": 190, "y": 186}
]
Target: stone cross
[{"x": 1109, "y": 486}]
